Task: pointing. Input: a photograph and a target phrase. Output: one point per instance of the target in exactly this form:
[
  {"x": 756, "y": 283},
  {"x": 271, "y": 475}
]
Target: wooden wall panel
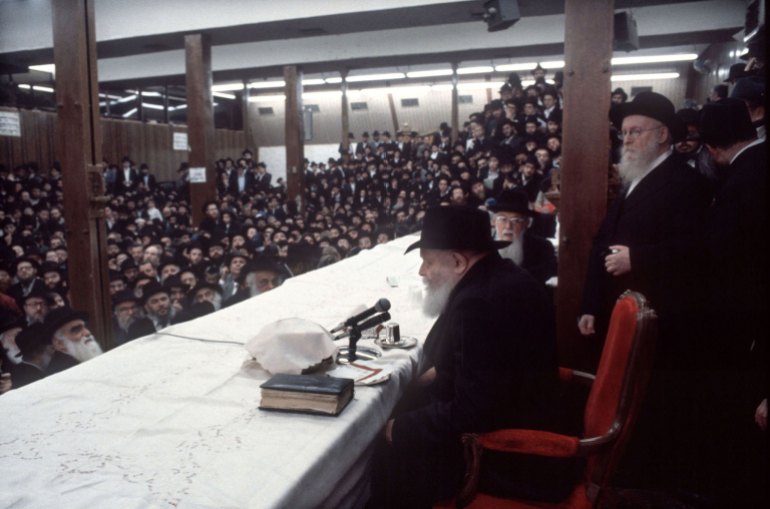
[{"x": 143, "y": 143}]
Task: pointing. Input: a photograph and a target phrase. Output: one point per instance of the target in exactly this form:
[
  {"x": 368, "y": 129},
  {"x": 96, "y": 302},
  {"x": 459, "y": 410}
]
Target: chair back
[{"x": 620, "y": 384}]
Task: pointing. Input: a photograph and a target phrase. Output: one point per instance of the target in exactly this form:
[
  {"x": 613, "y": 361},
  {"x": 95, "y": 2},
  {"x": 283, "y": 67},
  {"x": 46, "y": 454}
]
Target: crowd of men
[{"x": 680, "y": 232}]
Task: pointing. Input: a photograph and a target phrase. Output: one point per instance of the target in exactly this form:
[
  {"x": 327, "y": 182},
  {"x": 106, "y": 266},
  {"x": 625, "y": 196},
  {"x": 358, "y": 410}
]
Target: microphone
[
  {"x": 381, "y": 305},
  {"x": 384, "y": 317}
]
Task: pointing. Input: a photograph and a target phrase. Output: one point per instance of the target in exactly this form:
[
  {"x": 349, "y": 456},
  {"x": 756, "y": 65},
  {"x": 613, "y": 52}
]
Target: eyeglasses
[
  {"x": 510, "y": 220},
  {"x": 635, "y": 132}
]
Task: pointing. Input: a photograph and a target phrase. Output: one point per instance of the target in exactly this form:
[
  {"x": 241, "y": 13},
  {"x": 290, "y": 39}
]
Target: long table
[{"x": 171, "y": 419}]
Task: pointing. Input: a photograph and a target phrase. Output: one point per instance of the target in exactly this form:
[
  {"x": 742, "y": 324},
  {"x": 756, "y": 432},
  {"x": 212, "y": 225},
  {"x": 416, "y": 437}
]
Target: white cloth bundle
[{"x": 291, "y": 345}]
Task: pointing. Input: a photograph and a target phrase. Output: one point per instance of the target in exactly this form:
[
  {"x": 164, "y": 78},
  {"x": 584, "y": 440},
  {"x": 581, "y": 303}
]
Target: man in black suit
[
  {"x": 489, "y": 363},
  {"x": 240, "y": 181},
  {"x": 262, "y": 178},
  {"x": 127, "y": 178},
  {"x": 648, "y": 242},
  {"x": 736, "y": 228},
  {"x": 512, "y": 220},
  {"x": 147, "y": 179}
]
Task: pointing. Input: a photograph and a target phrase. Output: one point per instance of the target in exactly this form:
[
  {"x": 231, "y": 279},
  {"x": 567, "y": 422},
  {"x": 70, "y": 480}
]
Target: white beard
[
  {"x": 217, "y": 302},
  {"x": 83, "y": 350},
  {"x": 633, "y": 165},
  {"x": 437, "y": 297},
  {"x": 514, "y": 251}
]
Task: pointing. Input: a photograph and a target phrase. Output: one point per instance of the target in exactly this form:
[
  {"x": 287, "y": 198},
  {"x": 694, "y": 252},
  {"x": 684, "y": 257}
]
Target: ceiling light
[
  {"x": 25, "y": 87},
  {"x": 313, "y": 81},
  {"x": 376, "y": 77},
  {"x": 649, "y": 76},
  {"x": 475, "y": 70},
  {"x": 151, "y": 94},
  {"x": 654, "y": 59},
  {"x": 552, "y": 64},
  {"x": 428, "y": 74},
  {"x": 225, "y": 96},
  {"x": 227, "y": 87},
  {"x": 38, "y": 88},
  {"x": 129, "y": 113},
  {"x": 268, "y": 84},
  {"x": 151, "y": 106},
  {"x": 50, "y": 68},
  {"x": 333, "y": 80},
  {"x": 527, "y": 66},
  {"x": 126, "y": 99}
]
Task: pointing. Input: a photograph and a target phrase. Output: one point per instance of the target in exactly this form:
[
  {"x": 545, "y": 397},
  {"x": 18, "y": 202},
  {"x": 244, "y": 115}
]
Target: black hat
[
  {"x": 238, "y": 253},
  {"x": 726, "y": 122},
  {"x": 124, "y": 296},
  {"x": 150, "y": 289},
  {"x": 203, "y": 284},
  {"x": 688, "y": 116},
  {"x": 750, "y": 88},
  {"x": 456, "y": 228},
  {"x": 49, "y": 267},
  {"x": 31, "y": 339},
  {"x": 128, "y": 263},
  {"x": 512, "y": 200},
  {"x": 653, "y": 105},
  {"x": 12, "y": 321},
  {"x": 59, "y": 317},
  {"x": 619, "y": 91},
  {"x": 265, "y": 263},
  {"x": 38, "y": 292},
  {"x": 737, "y": 71}
]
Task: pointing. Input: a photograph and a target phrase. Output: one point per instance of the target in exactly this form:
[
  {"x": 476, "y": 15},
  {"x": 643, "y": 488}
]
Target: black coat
[
  {"x": 539, "y": 257},
  {"x": 494, "y": 350},
  {"x": 60, "y": 362},
  {"x": 661, "y": 223}
]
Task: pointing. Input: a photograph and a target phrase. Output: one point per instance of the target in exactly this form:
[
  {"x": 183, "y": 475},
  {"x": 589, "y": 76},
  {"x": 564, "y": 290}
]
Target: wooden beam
[
  {"x": 393, "y": 115},
  {"x": 585, "y": 160},
  {"x": 455, "y": 103},
  {"x": 345, "y": 113},
  {"x": 246, "y": 119},
  {"x": 200, "y": 120},
  {"x": 295, "y": 136},
  {"x": 79, "y": 151}
]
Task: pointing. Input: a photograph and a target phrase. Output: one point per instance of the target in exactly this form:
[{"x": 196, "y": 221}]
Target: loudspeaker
[
  {"x": 500, "y": 14},
  {"x": 626, "y": 35}
]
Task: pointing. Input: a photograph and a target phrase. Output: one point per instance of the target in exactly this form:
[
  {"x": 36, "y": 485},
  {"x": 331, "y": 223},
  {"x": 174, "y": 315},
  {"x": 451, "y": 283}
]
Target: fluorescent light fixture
[
  {"x": 151, "y": 94},
  {"x": 129, "y": 113},
  {"x": 376, "y": 77},
  {"x": 50, "y": 68},
  {"x": 649, "y": 76},
  {"x": 475, "y": 70},
  {"x": 126, "y": 99},
  {"x": 38, "y": 88},
  {"x": 527, "y": 66},
  {"x": 552, "y": 64},
  {"x": 331, "y": 81},
  {"x": 151, "y": 106},
  {"x": 180, "y": 107},
  {"x": 108, "y": 96},
  {"x": 268, "y": 84},
  {"x": 654, "y": 59},
  {"x": 743, "y": 51},
  {"x": 25, "y": 87},
  {"x": 227, "y": 87},
  {"x": 313, "y": 81},
  {"x": 429, "y": 74},
  {"x": 265, "y": 98},
  {"x": 224, "y": 96},
  {"x": 391, "y": 90}
]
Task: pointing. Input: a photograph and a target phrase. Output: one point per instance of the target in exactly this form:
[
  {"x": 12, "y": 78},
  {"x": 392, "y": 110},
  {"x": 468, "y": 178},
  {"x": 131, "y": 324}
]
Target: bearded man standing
[
  {"x": 648, "y": 242},
  {"x": 489, "y": 363},
  {"x": 73, "y": 343}
]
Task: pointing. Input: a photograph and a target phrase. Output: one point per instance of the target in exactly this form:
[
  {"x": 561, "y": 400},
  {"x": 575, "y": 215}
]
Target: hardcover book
[{"x": 318, "y": 394}]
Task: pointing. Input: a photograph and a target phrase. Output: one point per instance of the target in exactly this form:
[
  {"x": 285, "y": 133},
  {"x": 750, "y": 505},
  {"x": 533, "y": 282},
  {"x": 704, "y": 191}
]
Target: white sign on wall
[
  {"x": 180, "y": 141},
  {"x": 198, "y": 175},
  {"x": 10, "y": 124}
]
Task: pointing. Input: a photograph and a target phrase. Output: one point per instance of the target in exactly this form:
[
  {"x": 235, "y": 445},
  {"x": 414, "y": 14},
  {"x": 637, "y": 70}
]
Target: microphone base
[{"x": 363, "y": 353}]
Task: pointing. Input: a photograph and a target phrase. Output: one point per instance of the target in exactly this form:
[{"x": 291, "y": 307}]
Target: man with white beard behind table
[
  {"x": 72, "y": 341},
  {"x": 489, "y": 363},
  {"x": 512, "y": 219}
]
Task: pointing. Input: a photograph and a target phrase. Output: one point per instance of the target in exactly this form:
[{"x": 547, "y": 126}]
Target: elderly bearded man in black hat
[
  {"x": 512, "y": 219},
  {"x": 489, "y": 363},
  {"x": 72, "y": 342},
  {"x": 649, "y": 242}
]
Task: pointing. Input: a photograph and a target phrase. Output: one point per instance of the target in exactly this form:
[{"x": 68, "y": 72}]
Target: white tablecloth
[{"x": 166, "y": 421}]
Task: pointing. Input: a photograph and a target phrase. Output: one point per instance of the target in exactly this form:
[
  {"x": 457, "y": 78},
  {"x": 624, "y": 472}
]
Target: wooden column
[
  {"x": 585, "y": 161},
  {"x": 246, "y": 119},
  {"x": 295, "y": 136},
  {"x": 393, "y": 115},
  {"x": 200, "y": 121},
  {"x": 455, "y": 104},
  {"x": 79, "y": 151},
  {"x": 345, "y": 113}
]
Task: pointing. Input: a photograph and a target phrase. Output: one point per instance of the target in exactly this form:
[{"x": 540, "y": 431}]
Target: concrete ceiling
[{"x": 140, "y": 43}]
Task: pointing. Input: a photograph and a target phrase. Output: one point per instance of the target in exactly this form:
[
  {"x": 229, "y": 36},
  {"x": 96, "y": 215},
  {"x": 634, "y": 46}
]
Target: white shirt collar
[{"x": 652, "y": 166}]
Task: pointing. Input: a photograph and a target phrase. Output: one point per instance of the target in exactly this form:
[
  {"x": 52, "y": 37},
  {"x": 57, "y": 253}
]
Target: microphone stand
[{"x": 355, "y": 332}]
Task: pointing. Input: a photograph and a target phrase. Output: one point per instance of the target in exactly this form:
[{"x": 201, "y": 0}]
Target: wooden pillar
[
  {"x": 245, "y": 118},
  {"x": 455, "y": 103},
  {"x": 79, "y": 151},
  {"x": 393, "y": 114},
  {"x": 140, "y": 105},
  {"x": 585, "y": 161},
  {"x": 295, "y": 136},
  {"x": 489, "y": 90},
  {"x": 200, "y": 122},
  {"x": 345, "y": 113}
]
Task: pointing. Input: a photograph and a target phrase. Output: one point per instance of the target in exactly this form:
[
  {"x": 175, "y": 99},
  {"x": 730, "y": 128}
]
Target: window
[
  {"x": 360, "y": 106},
  {"x": 409, "y": 103},
  {"x": 267, "y": 110}
]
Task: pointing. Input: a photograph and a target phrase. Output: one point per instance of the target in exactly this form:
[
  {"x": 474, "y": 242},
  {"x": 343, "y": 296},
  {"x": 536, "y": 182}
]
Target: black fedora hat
[
  {"x": 31, "y": 339},
  {"x": 59, "y": 317},
  {"x": 456, "y": 228},
  {"x": 653, "y": 105},
  {"x": 512, "y": 200},
  {"x": 150, "y": 289},
  {"x": 726, "y": 122}
]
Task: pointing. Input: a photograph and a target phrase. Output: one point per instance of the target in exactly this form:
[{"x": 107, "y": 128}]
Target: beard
[
  {"x": 83, "y": 350},
  {"x": 437, "y": 295},
  {"x": 125, "y": 323},
  {"x": 633, "y": 164},
  {"x": 217, "y": 302},
  {"x": 514, "y": 251}
]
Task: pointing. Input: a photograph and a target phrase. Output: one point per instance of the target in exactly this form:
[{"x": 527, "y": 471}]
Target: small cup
[
  {"x": 393, "y": 333},
  {"x": 392, "y": 281}
]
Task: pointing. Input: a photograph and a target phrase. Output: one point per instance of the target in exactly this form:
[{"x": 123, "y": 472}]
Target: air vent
[
  {"x": 267, "y": 110},
  {"x": 312, "y": 107},
  {"x": 410, "y": 103},
  {"x": 465, "y": 99},
  {"x": 361, "y": 106}
]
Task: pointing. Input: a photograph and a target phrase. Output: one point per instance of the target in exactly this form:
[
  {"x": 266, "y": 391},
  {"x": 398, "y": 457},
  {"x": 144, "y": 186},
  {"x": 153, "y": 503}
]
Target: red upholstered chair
[{"x": 616, "y": 393}]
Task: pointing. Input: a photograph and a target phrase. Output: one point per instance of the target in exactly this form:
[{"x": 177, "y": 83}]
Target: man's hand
[
  {"x": 389, "y": 431},
  {"x": 586, "y": 325},
  {"x": 618, "y": 262},
  {"x": 5, "y": 383},
  {"x": 760, "y": 416}
]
